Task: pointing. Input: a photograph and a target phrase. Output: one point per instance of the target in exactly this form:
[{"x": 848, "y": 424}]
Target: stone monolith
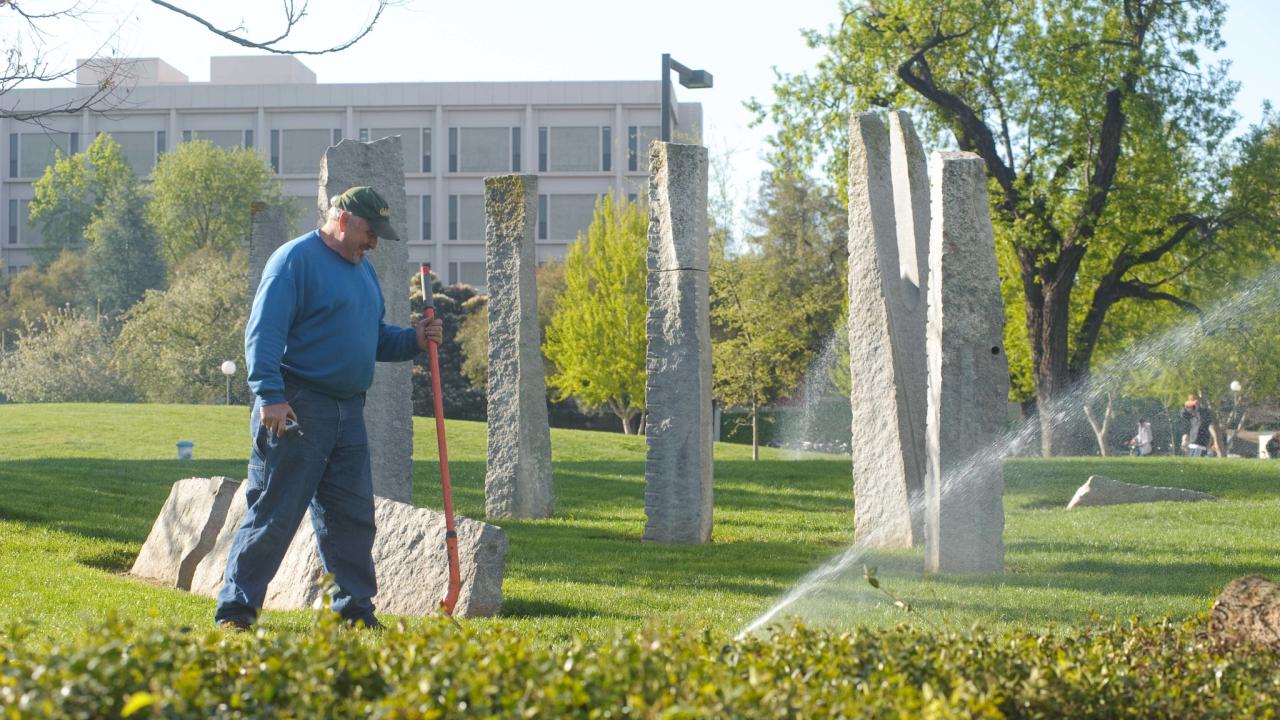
[
  {"x": 388, "y": 412},
  {"x": 517, "y": 480},
  {"x": 888, "y": 278},
  {"x": 1099, "y": 490},
  {"x": 408, "y": 553},
  {"x": 185, "y": 530},
  {"x": 677, "y": 499},
  {"x": 968, "y": 375},
  {"x": 268, "y": 230}
]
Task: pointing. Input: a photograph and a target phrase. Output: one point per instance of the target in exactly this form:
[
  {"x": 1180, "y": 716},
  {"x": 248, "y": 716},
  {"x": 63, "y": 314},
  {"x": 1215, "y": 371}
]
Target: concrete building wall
[{"x": 582, "y": 140}]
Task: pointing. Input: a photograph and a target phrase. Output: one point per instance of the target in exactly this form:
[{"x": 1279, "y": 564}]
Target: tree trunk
[
  {"x": 1048, "y": 326},
  {"x": 755, "y": 432},
  {"x": 1099, "y": 430}
]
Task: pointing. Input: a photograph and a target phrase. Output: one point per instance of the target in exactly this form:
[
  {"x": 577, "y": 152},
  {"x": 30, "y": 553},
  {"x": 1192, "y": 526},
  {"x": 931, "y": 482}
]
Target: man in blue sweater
[{"x": 313, "y": 336}]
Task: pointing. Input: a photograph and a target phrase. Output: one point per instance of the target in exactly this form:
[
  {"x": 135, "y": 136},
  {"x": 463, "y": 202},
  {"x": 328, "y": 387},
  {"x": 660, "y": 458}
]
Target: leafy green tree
[
  {"x": 596, "y": 340},
  {"x": 172, "y": 343},
  {"x": 65, "y": 357},
  {"x": 70, "y": 192},
  {"x": 36, "y": 292},
  {"x": 473, "y": 334},
  {"x": 1099, "y": 126},
  {"x": 203, "y": 195},
  {"x": 124, "y": 254}
]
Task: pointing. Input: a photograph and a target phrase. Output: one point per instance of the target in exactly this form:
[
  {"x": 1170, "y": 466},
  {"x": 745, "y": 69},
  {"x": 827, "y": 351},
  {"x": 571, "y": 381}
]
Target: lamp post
[
  {"x": 228, "y": 369},
  {"x": 692, "y": 79}
]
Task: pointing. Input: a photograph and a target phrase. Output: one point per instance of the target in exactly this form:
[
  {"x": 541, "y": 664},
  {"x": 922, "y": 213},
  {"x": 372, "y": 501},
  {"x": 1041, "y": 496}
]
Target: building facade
[{"x": 582, "y": 139}]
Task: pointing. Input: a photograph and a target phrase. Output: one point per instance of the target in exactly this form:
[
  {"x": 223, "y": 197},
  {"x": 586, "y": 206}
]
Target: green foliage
[
  {"x": 70, "y": 192},
  {"x": 454, "y": 304},
  {"x": 172, "y": 343},
  {"x": 596, "y": 340},
  {"x": 124, "y": 257},
  {"x": 63, "y": 358},
  {"x": 473, "y": 335},
  {"x": 203, "y": 195},
  {"x": 433, "y": 669},
  {"x": 35, "y": 292}
]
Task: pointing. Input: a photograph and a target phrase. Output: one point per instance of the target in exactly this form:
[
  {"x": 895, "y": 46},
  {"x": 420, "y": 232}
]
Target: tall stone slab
[
  {"x": 677, "y": 499},
  {"x": 968, "y": 375},
  {"x": 517, "y": 481},
  {"x": 888, "y": 279},
  {"x": 268, "y": 230},
  {"x": 389, "y": 405}
]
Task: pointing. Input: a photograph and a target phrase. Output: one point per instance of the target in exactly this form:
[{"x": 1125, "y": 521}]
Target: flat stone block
[
  {"x": 408, "y": 553},
  {"x": 185, "y": 530},
  {"x": 1100, "y": 490}
]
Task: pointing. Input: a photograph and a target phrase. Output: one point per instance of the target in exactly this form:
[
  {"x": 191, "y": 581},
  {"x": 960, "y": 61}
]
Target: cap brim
[{"x": 383, "y": 229}]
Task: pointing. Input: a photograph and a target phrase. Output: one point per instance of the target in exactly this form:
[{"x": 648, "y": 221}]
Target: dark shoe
[
  {"x": 235, "y": 625},
  {"x": 365, "y": 623}
]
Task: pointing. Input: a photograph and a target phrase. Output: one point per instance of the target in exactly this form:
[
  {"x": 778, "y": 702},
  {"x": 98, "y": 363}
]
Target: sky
[{"x": 741, "y": 42}]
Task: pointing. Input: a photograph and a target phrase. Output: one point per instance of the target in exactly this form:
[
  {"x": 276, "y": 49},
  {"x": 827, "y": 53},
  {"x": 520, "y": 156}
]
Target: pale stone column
[
  {"x": 517, "y": 481},
  {"x": 389, "y": 405},
  {"x": 887, "y": 261},
  {"x": 677, "y": 499},
  {"x": 968, "y": 376}
]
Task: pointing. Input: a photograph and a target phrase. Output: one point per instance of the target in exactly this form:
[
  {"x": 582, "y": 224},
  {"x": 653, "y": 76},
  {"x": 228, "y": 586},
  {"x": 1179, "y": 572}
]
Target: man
[
  {"x": 1199, "y": 426},
  {"x": 315, "y": 330}
]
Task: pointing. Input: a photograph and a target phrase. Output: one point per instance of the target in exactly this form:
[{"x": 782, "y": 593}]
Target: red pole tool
[{"x": 450, "y": 534}]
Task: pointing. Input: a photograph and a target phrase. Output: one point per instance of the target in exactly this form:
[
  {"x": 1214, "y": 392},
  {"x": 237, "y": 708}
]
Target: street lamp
[
  {"x": 228, "y": 369},
  {"x": 692, "y": 79}
]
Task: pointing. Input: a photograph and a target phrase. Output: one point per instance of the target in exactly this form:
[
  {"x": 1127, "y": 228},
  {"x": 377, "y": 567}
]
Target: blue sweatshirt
[{"x": 319, "y": 318}]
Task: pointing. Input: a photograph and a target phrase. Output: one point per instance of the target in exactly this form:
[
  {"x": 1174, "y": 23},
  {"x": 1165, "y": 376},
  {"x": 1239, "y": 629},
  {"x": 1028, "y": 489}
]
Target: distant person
[
  {"x": 313, "y": 336},
  {"x": 1199, "y": 426},
  {"x": 1140, "y": 444},
  {"x": 1273, "y": 445}
]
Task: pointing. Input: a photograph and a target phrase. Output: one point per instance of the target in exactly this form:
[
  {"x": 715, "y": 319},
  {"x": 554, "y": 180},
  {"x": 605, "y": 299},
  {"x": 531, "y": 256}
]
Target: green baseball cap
[{"x": 365, "y": 202}]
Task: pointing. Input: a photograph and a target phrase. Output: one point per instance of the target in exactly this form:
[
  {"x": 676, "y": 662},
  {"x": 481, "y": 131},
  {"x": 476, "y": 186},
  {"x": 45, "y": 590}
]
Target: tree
[
  {"x": 70, "y": 191},
  {"x": 35, "y": 293},
  {"x": 172, "y": 343},
  {"x": 473, "y": 334},
  {"x": 66, "y": 357},
  {"x": 1099, "y": 127},
  {"x": 454, "y": 304},
  {"x": 202, "y": 196},
  {"x": 29, "y": 34},
  {"x": 596, "y": 341},
  {"x": 124, "y": 256}
]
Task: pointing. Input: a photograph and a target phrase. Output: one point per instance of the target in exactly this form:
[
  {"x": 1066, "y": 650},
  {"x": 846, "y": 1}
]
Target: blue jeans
[{"x": 325, "y": 467}]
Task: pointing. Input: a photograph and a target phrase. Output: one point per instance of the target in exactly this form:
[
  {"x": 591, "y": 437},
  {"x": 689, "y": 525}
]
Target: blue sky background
[{"x": 739, "y": 42}]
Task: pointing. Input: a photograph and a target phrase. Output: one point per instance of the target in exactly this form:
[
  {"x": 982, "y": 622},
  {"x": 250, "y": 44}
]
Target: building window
[
  {"x": 13, "y": 222},
  {"x": 542, "y": 149},
  {"x": 413, "y": 217},
  {"x": 306, "y": 214},
  {"x": 426, "y": 150},
  {"x": 606, "y": 149},
  {"x": 569, "y": 215},
  {"x": 31, "y": 153},
  {"x": 426, "y": 217},
  {"x": 515, "y": 149},
  {"x": 480, "y": 149},
  {"x": 574, "y": 149},
  {"x": 467, "y": 273},
  {"x": 28, "y": 233},
  {"x": 161, "y": 142},
  {"x": 453, "y": 216},
  {"x": 638, "y": 139},
  {"x": 225, "y": 139},
  {"x": 410, "y": 149},
  {"x": 75, "y": 143},
  {"x": 542, "y": 217},
  {"x": 470, "y": 218},
  {"x": 275, "y": 151},
  {"x": 364, "y": 134},
  {"x": 300, "y": 151},
  {"x": 337, "y": 136},
  {"x": 140, "y": 149}
]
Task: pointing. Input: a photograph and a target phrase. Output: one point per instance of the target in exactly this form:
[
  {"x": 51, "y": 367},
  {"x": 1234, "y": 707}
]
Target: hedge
[{"x": 432, "y": 669}]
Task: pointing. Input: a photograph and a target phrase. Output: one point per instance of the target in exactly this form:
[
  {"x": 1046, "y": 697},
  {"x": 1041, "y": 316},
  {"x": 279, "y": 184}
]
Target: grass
[{"x": 80, "y": 486}]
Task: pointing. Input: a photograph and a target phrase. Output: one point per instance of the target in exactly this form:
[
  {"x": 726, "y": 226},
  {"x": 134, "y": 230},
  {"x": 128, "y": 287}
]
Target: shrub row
[{"x": 432, "y": 669}]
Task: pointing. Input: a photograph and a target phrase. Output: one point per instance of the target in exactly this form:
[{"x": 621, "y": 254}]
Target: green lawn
[{"x": 81, "y": 484}]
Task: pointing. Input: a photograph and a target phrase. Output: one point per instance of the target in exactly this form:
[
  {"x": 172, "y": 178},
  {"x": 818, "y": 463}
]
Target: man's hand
[
  {"x": 274, "y": 416},
  {"x": 429, "y": 331}
]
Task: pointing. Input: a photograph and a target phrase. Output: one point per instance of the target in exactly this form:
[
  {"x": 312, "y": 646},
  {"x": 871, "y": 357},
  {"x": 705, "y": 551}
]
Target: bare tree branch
[{"x": 293, "y": 15}]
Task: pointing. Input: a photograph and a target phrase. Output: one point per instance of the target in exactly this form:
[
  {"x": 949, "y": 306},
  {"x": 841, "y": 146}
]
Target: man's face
[{"x": 358, "y": 238}]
